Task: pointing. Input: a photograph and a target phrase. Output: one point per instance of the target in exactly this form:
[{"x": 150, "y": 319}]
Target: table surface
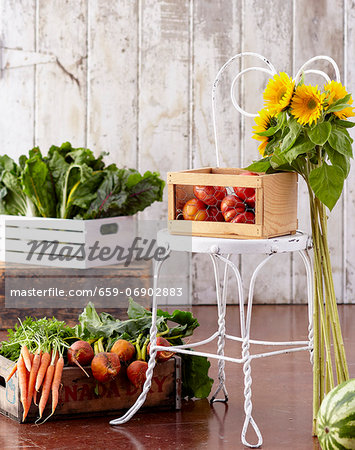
[{"x": 282, "y": 398}]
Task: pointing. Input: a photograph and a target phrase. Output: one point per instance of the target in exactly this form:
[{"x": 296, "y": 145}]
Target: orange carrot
[
  {"x": 56, "y": 382},
  {"x": 35, "y": 397},
  {"x": 46, "y": 389},
  {"x": 45, "y": 360},
  {"x": 11, "y": 373},
  {"x": 22, "y": 375},
  {"x": 31, "y": 381},
  {"x": 26, "y": 357}
]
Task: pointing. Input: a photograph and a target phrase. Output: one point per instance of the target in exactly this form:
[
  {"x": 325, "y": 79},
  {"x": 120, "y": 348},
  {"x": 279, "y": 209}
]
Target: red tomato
[
  {"x": 194, "y": 209},
  {"x": 214, "y": 214},
  {"x": 231, "y": 206},
  {"x": 211, "y": 195},
  {"x": 247, "y": 172},
  {"x": 250, "y": 201},
  {"x": 245, "y": 192},
  {"x": 232, "y": 201},
  {"x": 246, "y": 217}
]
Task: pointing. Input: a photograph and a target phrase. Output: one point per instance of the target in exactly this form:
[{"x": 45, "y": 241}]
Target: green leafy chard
[
  {"x": 124, "y": 192},
  {"x": 13, "y": 200},
  {"x": 38, "y": 184},
  {"x": 73, "y": 183}
]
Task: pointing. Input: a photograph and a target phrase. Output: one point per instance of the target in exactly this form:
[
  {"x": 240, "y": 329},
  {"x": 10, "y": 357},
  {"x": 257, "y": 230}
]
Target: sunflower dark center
[{"x": 312, "y": 104}]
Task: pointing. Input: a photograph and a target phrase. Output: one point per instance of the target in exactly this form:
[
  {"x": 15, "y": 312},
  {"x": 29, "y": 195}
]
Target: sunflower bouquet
[{"x": 304, "y": 129}]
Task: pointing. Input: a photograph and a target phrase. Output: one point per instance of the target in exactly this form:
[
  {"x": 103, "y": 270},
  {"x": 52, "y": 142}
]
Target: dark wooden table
[{"x": 282, "y": 398}]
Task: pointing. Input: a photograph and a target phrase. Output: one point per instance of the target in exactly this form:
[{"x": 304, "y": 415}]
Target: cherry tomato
[
  {"x": 245, "y": 217},
  {"x": 250, "y": 201},
  {"x": 245, "y": 192},
  {"x": 194, "y": 209},
  {"x": 214, "y": 214},
  {"x": 211, "y": 195},
  {"x": 231, "y": 206}
]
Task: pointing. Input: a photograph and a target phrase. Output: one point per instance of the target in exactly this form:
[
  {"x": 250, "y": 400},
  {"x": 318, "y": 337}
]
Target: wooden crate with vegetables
[
  {"x": 69, "y": 201},
  {"x": 232, "y": 203},
  {"x": 50, "y": 370},
  {"x": 80, "y": 396}
]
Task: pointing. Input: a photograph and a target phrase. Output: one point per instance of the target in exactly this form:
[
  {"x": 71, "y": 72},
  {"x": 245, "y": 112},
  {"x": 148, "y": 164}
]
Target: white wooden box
[{"x": 65, "y": 243}]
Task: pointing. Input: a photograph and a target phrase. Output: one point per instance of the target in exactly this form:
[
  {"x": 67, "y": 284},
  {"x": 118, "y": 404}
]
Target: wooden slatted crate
[
  {"x": 77, "y": 396},
  {"x": 65, "y": 242},
  {"x": 137, "y": 275},
  {"x": 275, "y": 203}
]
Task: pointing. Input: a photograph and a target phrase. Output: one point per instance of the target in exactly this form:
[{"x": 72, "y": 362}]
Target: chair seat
[{"x": 197, "y": 244}]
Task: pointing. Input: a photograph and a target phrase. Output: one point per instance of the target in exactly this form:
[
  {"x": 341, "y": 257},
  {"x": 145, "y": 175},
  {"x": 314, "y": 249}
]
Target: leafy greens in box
[{"x": 72, "y": 183}]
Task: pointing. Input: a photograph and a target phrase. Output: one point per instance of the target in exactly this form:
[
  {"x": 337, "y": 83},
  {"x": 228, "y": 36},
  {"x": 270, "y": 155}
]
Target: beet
[
  {"x": 136, "y": 373},
  {"x": 162, "y": 355},
  {"x": 105, "y": 366},
  {"x": 124, "y": 349},
  {"x": 81, "y": 354}
]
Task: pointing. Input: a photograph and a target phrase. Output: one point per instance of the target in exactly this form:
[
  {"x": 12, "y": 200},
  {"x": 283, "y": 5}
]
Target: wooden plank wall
[{"x": 134, "y": 78}]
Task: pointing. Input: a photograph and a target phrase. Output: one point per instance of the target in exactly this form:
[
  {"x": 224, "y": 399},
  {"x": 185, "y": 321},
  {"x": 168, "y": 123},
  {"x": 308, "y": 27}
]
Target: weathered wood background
[{"x": 133, "y": 77}]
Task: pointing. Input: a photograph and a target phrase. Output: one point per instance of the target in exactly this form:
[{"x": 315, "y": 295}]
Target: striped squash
[{"x": 336, "y": 418}]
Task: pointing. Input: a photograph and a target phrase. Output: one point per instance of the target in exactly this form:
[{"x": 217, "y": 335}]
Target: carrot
[
  {"x": 26, "y": 357},
  {"x": 56, "y": 382},
  {"x": 45, "y": 361},
  {"x": 31, "y": 381},
  {"x": 11, "y": 373},
  {"x": 22, "y": 375},
  {"x": 35, "y": 397},
  {"x": 46, "y": 388}
]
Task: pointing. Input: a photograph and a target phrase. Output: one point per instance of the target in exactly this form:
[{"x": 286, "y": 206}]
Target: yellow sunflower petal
[
  {"x": 306, "y": 104},
  {"x": 278, "y": 93},
  {"x": 263, "y": 121},
  {"x": 336, "y": 91}
]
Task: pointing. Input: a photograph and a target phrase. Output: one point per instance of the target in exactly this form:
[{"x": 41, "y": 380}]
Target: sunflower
[
  {"x": 278, "y": 93},
  {"x": 263, "y": 121},
  {"x": 336, "y": 92},
  {"x": 306, "y": 104}
]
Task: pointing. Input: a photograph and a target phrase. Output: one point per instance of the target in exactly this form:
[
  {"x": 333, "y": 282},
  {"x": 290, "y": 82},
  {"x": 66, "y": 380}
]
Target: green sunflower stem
[{"x": 326, "y": 324}]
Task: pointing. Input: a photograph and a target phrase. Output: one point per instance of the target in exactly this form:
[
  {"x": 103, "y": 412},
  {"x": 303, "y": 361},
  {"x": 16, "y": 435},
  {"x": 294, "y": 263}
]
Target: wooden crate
[
  {"x": 58, "y": 238},
  {"x": 275, "y": 206},
  {"x": 138, "y": 274},
  {"x": 77, "y": 396}
]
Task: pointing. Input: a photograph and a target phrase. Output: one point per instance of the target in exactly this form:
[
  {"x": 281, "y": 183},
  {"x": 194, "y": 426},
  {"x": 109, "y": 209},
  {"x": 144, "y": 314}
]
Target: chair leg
[
  {"x": 309, "y": 272},
  {"x": 248, "y": 406},
  {"x": 238, "y": 277},
  {"x": 221, "y": 308},
  {"x": 153, "y": 351}
]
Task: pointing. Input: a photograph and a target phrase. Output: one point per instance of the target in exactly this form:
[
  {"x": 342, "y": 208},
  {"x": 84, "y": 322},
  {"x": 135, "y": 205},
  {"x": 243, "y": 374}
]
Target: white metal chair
[{"x": 220, "y": 251}]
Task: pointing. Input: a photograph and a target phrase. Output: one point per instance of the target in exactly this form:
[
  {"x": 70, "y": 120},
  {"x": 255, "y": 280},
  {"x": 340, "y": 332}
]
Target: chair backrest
[{"x": 271, "y": 71}]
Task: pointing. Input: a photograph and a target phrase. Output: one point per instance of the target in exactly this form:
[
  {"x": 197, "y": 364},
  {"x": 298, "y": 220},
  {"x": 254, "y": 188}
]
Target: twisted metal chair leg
[
  {"x": 221, "y": 307},
  {"x": 151, "y": 363},
  {"x": 308, "y": 265},
  {"x": 248, "y": 406}
]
